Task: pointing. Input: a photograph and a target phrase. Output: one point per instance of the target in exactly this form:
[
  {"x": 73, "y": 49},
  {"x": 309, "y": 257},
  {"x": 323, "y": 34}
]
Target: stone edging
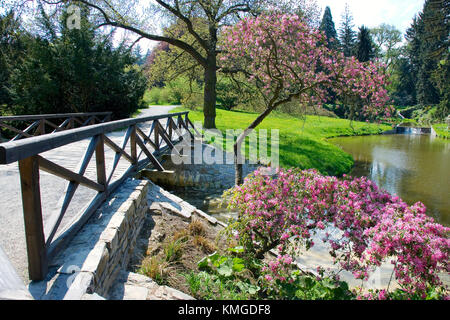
[{"x": 115, "y": 228}]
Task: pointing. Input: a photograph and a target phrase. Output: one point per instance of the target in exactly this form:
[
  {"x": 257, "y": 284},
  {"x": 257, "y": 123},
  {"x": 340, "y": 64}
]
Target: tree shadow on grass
[{"x": 307, "y": 153}]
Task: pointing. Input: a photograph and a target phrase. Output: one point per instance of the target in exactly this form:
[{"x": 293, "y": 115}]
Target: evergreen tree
[
  {"x": 427, "y": 93},
  {"x": 404, "y": 83},
  {"x": 347, "y": 35},
  {"x": 77, "y": 71},
  {"x": 12, "y": 43},
  {"x": 424, "y": 68},
  {"x": 364, "y": 46},
  {"x": 327, "y": 26}
]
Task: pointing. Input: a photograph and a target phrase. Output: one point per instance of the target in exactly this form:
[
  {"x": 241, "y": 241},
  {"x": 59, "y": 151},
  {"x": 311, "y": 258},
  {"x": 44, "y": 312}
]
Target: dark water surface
[{"x": 414, "y": 167}]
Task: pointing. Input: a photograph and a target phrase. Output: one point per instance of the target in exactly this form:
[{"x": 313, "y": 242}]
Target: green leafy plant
[
  {"x": 230, "y": 273},
  {"x": 305, "y": 287}
]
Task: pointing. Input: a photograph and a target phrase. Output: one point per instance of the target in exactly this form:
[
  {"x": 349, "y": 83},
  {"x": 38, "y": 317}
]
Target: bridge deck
[{"x": 12, "y": 232}]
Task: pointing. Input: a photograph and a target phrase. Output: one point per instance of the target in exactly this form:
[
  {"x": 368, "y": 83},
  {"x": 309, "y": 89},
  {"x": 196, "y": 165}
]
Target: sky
[{"x": 372, "y": 13}]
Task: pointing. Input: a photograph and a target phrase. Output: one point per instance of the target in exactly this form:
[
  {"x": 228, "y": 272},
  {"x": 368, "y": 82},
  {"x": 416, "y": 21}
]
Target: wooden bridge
[{"x": 138, "y": 141}]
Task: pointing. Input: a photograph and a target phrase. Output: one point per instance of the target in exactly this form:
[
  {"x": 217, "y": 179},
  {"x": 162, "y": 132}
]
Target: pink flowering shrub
[{"x": 282, "y": 212}]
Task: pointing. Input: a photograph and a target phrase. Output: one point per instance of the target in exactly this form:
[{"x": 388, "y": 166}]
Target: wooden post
[
  {"x": 41, "y": 129},
  {"x": 32, "y": 211},
  {"x": 71, "y": 124},
  {"x": 169, "y": 121},
  {"x": 100, "y": 161},
  {"x": 157, "y": 135},
  {"x": 133, "y": 145}
]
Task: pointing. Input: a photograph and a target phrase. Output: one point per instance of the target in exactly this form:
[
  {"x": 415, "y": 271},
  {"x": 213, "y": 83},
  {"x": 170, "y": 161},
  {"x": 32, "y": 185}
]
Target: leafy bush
[
  {"x": 76, "y": 71},
  {"x": 178, "y": 91},
  {"x": 223, "y": 277},
  {"x": 227, "y": 93}
]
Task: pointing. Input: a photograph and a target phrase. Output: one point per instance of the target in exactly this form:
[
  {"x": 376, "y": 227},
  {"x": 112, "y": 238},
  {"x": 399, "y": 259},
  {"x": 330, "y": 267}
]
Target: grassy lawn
[
  {"x": 302, "y": 142},
  {"x": 441, "y": 130}
]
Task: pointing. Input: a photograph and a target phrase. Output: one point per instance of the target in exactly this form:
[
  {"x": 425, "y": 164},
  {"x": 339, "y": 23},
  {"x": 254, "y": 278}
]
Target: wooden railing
[
  {"x": 42, "y": 247},
  {"x": 28, "y": 126}
]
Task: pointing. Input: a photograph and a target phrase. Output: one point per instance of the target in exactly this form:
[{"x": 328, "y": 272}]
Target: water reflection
[{"x": 414, "y": 167}]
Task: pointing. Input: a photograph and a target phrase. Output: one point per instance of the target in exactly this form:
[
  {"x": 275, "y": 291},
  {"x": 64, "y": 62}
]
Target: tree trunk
[
  {"x": 238, "y": 167},
  {"x": 238, "y": 176},
  {"x": 209, "y": 104}
]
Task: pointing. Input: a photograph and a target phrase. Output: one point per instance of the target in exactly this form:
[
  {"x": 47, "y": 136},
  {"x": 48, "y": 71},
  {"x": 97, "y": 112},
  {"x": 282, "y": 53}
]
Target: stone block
[
  {"x": 203, "y": 215},
  {"x": 82, "y": 284},
  {"x": 111, "y": 237},
  {"x": 117, "y": 220},
  {"x": 97, "y": 259}
]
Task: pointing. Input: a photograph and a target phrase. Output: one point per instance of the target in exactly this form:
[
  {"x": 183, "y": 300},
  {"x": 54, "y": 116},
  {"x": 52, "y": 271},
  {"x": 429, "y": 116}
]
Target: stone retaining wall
[{"x": 104, "y": 246}]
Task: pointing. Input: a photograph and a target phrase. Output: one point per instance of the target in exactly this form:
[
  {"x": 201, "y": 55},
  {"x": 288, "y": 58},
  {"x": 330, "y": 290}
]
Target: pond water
[{"x": 414, "y": 167}]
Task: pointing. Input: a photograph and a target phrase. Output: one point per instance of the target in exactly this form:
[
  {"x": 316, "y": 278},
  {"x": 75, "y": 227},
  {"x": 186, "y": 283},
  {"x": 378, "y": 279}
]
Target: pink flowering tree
[
  {"x": 285, "y": 59},
  {"x": 284, "y": 212},
  {"x": 362, "y": 88}
]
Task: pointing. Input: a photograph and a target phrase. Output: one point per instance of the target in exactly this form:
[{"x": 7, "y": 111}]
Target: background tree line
[
  {"x": 418, "y": 67},
  {"x": 185, "y": 66},
  {"x": 60, "y": 69}
]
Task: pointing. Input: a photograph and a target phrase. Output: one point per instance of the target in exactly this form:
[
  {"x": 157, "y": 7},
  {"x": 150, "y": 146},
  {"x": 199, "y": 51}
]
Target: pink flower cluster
[
  {"x": 374, "y": 225},
  {"x": 282, "y": 56},
  {"x": 279, "y": 269}
]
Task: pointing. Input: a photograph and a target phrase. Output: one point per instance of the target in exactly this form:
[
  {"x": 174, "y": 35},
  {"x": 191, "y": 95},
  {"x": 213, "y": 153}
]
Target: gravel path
[{"x": 12, "y": 233}]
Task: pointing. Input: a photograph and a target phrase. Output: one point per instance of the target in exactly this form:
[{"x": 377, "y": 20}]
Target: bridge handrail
[
  {"x": 39, "y": 124},
  {"x": 17, "y": 150},
  {"x": 44, "y": 242},
  {"x": 53, "y": 116}
]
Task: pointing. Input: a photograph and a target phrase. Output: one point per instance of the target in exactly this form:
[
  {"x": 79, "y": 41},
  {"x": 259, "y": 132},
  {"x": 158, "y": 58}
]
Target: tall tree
[
  {"x": 364, "y": 46},
  {"x": 139, "y": 18},
  {"x": 421, "y": 45},
  {"x": 422, "y": 73},
  {"x": 433, "y": 35},
  {"x": 387, "y": 39},
  {"x": 347, "y": 35},
  {"x": 327, "y": 26}
]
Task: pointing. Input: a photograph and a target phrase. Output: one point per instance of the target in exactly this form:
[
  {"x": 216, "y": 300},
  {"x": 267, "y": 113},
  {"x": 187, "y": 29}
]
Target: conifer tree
[
  {"x": 364, "y": 47},
  {"x": 327, "y": 26},
  {"x": 347, "y": 35}
]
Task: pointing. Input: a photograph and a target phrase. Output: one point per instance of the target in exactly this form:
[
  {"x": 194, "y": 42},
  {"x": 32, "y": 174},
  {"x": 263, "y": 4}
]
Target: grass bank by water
[
  {"x": 442, "y": 131},
  {"x": 302, "y": 142}
]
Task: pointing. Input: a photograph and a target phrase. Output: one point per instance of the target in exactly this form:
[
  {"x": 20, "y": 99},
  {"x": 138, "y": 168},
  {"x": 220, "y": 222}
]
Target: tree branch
[
  {"x": 177, "y": 12},
  {"x": 175, "y": 42}
]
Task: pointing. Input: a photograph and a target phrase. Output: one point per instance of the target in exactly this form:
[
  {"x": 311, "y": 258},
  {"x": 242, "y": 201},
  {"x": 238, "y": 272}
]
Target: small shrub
[
  {"x": 204, "y": 243},
  {"x": 197, "y": 228},
  {"x": 193, "y": 100},
  {"x": 173, "y": 250},
  {"x": 156, "y": 269},
  {"x": 153, "y": 95},
  {"x": 182, "y": 235}
]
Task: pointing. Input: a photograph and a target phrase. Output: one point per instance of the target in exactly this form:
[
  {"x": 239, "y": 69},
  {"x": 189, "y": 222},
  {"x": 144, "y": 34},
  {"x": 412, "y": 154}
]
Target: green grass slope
[{"x": 303, "y": 143}]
